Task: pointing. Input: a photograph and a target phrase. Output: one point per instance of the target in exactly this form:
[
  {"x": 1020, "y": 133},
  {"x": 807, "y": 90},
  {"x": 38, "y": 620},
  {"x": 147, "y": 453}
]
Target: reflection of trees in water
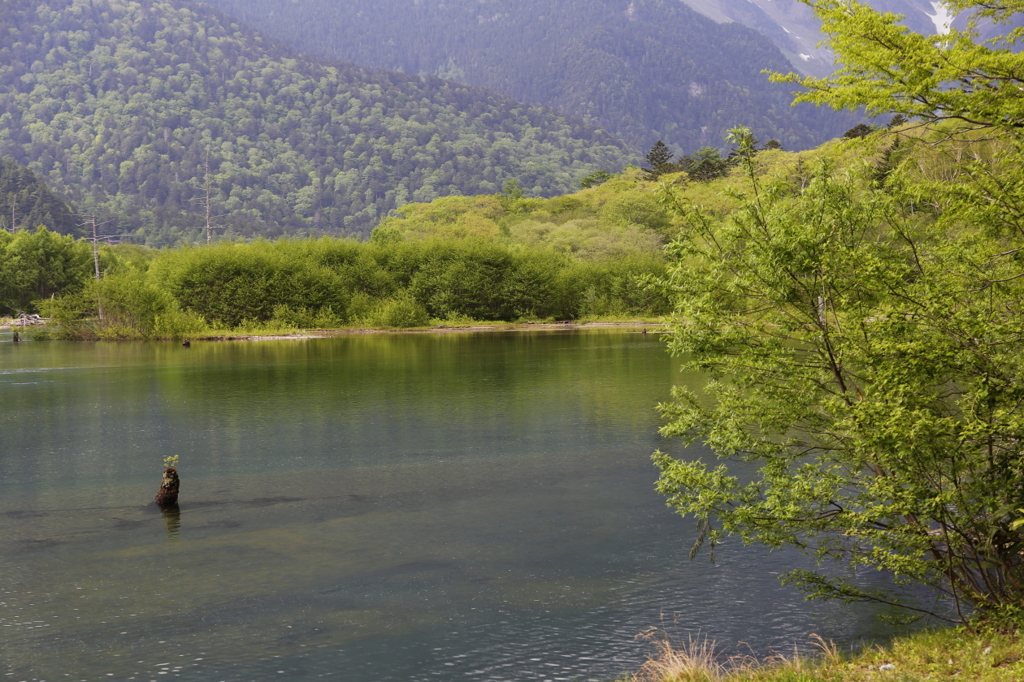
[
  {"x": 517, "y": 370},
  {"x": 235, "y": 406}
]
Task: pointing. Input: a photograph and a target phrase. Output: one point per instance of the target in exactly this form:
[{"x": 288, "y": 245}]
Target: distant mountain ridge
[
  {"x": 147, "y": 111},
  {"x": 642, "y": 69}
]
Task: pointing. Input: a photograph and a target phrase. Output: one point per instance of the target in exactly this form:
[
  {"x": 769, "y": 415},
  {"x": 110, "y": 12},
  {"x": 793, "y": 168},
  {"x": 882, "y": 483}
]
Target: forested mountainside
[
  {"x": 26, "y": 202},
  {"x": 643, "y": 69},
  {"x": 122, "y": 106}
]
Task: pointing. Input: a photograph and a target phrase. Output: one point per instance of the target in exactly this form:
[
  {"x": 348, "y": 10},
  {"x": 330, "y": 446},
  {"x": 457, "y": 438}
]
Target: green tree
[
  {"x": 865, "y": 356},
  {"x": 40, "y": 264},
  {"x": 865, "y": 364},
  {"x": 594, "y": 179},
  {"x": 511, "y": 197},
  {"x": 705, "y": 164},
  {"x": 660, "y": 161},
  {"x": 888, "y": 68},
  {"x": 859, "y": 130},
  {"x": 125, "y": 305}
]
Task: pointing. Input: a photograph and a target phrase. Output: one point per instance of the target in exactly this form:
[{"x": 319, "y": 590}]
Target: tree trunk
[{"x": 168, "y": 493}]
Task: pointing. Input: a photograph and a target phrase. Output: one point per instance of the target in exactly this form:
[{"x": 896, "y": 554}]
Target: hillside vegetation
[
  {"x": 497, "y": 257},
  {"x": 504, "y": 256},
  {"x": 490, "y": 257},
  {"x": 26, "y": 201},
  {"x": 617, "y": 219},
  {"x": 132, "y": 109},
  {"x": 643, "y": 69}
]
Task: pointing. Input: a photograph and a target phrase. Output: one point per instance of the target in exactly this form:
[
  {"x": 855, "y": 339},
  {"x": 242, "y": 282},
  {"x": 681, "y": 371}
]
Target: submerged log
[{"x": 167, "y": 496}]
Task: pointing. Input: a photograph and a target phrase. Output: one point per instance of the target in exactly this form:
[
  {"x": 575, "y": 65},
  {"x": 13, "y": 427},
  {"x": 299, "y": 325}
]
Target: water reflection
[
  {"x": 172, "y": 521},
  {"x": 372, "y": 508}
]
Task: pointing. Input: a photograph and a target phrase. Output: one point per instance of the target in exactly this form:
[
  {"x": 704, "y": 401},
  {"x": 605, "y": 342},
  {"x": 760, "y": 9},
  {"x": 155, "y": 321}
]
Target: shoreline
[
  {"x": 440, "y": 329},
  {"x": 306, "y": 334}
]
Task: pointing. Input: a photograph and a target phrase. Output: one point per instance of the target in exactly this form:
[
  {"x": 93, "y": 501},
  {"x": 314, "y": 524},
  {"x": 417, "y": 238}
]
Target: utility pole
[
  {"x": 209, "y": 237},
  {"x": 90, "y": 220},
  {"x": 96, "y": 262},
  {"x": 96, "y": 238},
  {"x": 95, "y": 248}
]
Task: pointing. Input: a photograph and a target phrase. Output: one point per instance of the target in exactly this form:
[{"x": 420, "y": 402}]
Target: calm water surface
[{"x": 392, "y": 507}]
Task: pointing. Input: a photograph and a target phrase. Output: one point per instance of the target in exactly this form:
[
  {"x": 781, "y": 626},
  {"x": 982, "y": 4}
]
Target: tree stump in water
[{"x": 167, "y": 496}]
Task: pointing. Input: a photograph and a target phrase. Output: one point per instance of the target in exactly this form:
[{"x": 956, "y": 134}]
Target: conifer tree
[{"x": 660, "y": 161}]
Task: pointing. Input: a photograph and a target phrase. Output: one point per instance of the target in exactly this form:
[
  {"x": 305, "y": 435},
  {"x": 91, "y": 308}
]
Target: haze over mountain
[
  {"x": 143, "y": 110},
  {"x": 643, "y": 69}
]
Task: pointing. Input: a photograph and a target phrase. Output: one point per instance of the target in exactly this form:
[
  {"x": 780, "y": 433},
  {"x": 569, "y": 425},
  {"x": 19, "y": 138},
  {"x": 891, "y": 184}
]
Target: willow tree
[{"x": 862, "y": 335}]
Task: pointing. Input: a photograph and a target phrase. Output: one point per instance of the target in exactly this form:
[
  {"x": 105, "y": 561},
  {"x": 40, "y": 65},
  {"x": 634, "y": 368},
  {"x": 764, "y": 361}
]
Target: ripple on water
[{"x": 380, "y": 509}]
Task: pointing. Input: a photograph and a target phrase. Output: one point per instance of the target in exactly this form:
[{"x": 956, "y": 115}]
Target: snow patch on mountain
[
  {"x": 942, "y": 18},
  {"x": 792, "y": 26}
]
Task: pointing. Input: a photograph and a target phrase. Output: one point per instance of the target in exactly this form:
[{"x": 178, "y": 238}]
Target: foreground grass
[{"x": 953, "y": 654}]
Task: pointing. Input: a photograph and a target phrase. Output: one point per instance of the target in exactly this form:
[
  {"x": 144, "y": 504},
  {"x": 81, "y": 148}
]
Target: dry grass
[
  {"x": 953, "y": 654},
  {"x": 694, "y": 661}
]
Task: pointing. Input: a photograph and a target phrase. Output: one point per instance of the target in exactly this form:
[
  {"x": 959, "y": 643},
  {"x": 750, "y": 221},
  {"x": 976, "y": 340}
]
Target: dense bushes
[
  {"x": 37, "y": 265},
  {"x": 486, "y": 282},
  {"x": 232, "y": 283},
  {"x": 615, "y": 288},
  {"x": 125, "y": 305},
  {"x": 330, "y": 282}
]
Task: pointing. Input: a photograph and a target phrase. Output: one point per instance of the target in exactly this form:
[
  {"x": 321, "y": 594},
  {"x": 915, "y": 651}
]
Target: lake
[{"x": 379, "y": 507}]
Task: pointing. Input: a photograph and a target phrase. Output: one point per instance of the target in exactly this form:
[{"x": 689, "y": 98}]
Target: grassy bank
[{"x": 953, "y": 654}]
